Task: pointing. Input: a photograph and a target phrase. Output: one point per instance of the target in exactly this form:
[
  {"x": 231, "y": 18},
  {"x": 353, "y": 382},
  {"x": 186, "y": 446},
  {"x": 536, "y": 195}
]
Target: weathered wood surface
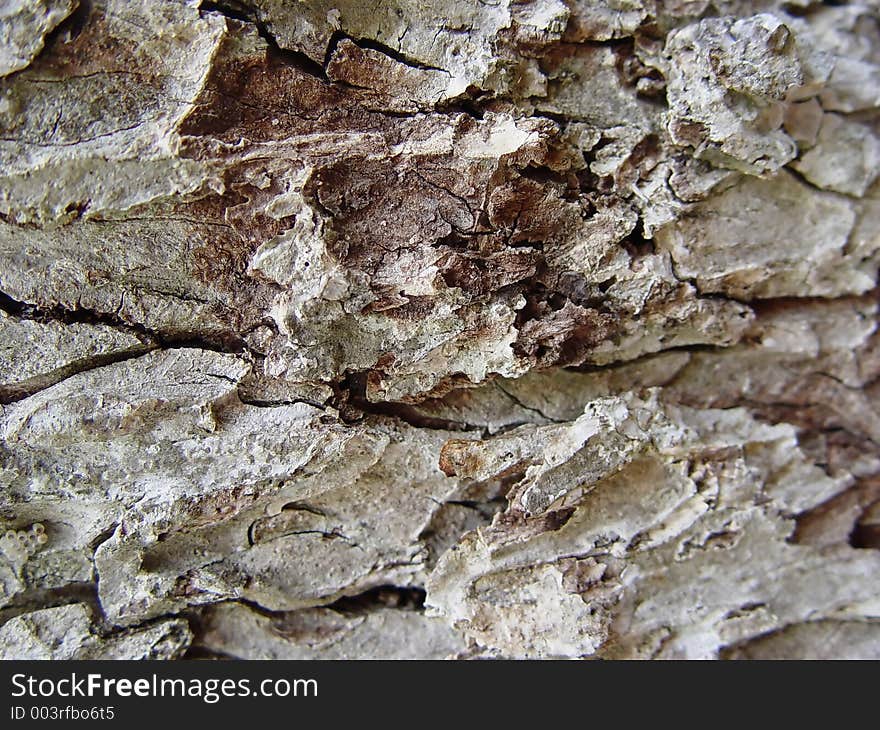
[{"x": 523, "y": 328}]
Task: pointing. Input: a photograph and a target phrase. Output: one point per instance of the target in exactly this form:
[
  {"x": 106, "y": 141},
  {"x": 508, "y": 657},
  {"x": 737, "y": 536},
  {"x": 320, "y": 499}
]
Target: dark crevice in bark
[
  {"x": 151, "y": 339},
  {"x": 379, "y": 597},
  {"x": 68, "y": 29},
  {"x": 374, "y": 599},
  {"x": 21, "y": 310},
  {"x": 226, "y": 342},
  {"x": 371, "y": 44},
  {"x": 107, "y": 630},
  {"x": 351, "y": 401},
  {"x": 248, "y": 14},
  {"x": 25, "y": 389},
  {"x": 468, "y": 103},
  {"x": 11, "y": 306},
  {"x": 36, "y": 599},
  {"x": 865, "y": 536},
  {"x": 350, "y": 390},
  {"x": 531, "y": 409},
  {"x": 411, "y": 415},
  {"x": 79, "y": 315},
  {"x": 258, "y": 403},
  {"x": 489, "y": 505},
  {"x": 410, "y": 599},
  {"x": 203, "y": 653}
]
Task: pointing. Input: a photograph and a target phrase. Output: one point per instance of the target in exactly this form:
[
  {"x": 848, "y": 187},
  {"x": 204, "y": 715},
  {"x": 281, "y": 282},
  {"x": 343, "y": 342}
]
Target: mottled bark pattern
[{"x": 528, "y": 328}]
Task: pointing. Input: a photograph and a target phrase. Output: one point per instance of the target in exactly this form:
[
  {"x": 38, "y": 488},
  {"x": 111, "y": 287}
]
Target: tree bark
[{"x": 531, "y": 328}]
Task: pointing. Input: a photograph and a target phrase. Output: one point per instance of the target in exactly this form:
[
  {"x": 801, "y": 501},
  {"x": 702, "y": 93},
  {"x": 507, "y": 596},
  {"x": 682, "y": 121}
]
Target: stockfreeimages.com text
[{"x": 209, "y": 690}]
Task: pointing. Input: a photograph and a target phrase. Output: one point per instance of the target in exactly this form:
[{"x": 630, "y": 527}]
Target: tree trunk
[{"x": 531, "y": 328}]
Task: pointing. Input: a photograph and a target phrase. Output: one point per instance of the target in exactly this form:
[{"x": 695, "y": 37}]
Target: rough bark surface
[{"x": 522, "y": 328}]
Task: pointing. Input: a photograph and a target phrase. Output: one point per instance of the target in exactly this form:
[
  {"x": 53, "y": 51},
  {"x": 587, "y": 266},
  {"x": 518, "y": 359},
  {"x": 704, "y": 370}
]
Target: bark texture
[{"x": 522, "y": 328}]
